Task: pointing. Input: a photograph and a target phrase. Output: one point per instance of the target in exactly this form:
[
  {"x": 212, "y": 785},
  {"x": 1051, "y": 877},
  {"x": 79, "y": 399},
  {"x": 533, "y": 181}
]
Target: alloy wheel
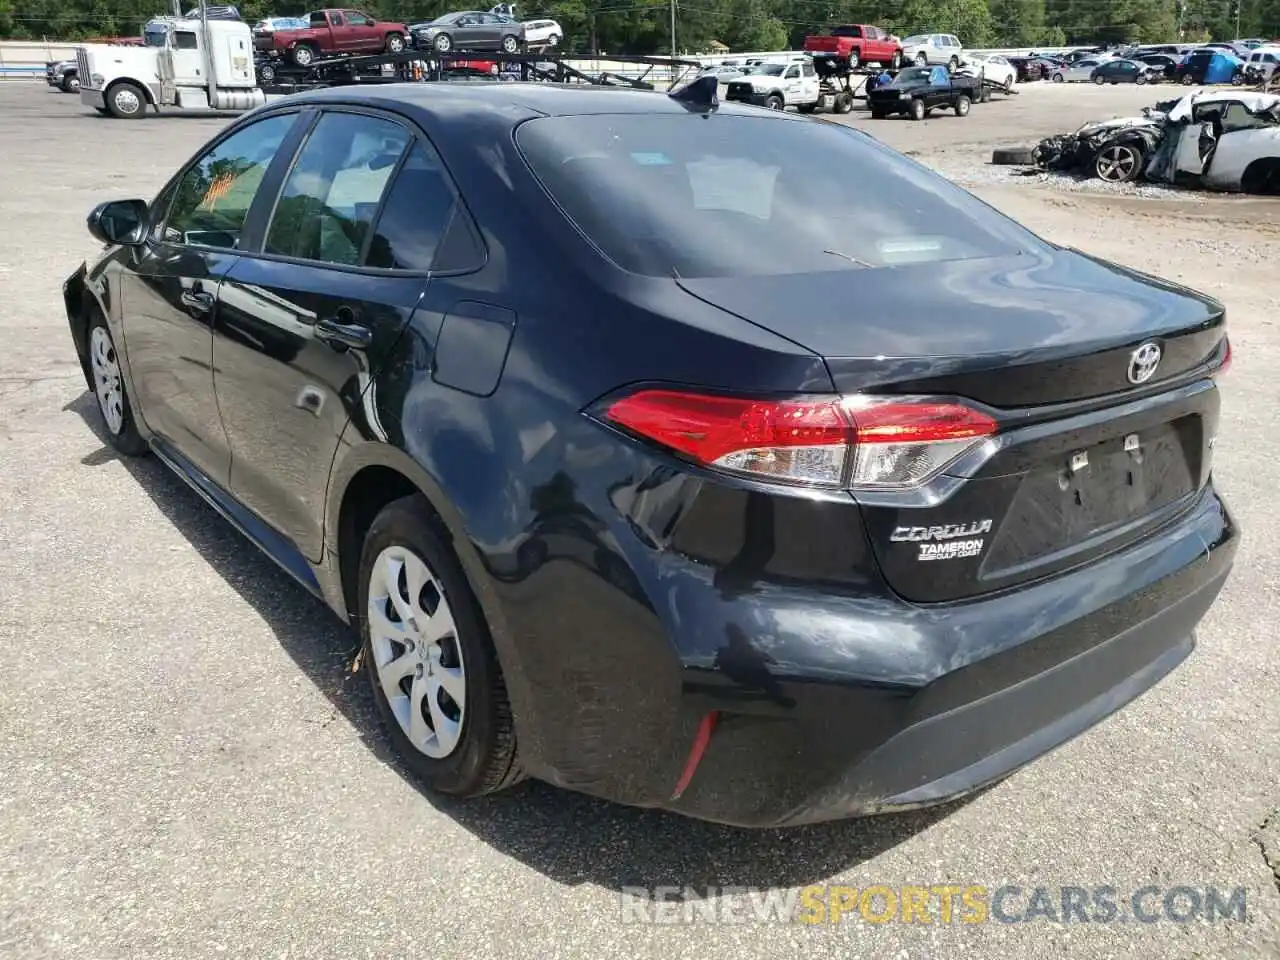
[
  {"x": 416, "y": 652},
  {"x": 1117, "y": 163},
  {"x": 106, "y": 379}
]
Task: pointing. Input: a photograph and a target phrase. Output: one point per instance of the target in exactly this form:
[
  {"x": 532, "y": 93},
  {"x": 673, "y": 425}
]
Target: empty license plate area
[{"x": 1109, "y": 486}]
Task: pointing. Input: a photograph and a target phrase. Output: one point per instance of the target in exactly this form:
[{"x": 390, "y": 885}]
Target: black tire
[
  {"x": 70, "y": 82},
  {"x": 953, "y": 64},
  {"x": 896, "y": 62},
  {"x": 1141, "y": 79},
  {"x": 1188, "y": 80},
  {"x": 844, "y": 102},
  {"x": 877, "y": 113},
  {"x": 855, "y": 60},
  {"x": 553, "y": 40},
  {"x": 126, "y": 101},
  {"x": 962, "y": 106},
  {"x": 984, "y": 95},
  {"x": 443, "y": 43},
  {"x": 1008, "y": 85},
  {"x": 1059, "y": 78},
  {"x": 510, "y": 44},
  {"x": 917, "y": 110},
  {"x": 1013, "y": 157},
  {"x": 775, "y": 102},
  {"x": 267, "y": 74},
  {"x": 303, "y": 54},
  {"x": 922, "y": 59},
  {"x": 126, "y": 440},
  {"x": 1099, "y": 79},
  {"x": 485, "y": 759},
  {"x": 395, "y": 43}
]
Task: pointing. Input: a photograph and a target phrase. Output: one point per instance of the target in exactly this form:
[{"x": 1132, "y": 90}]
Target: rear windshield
[{"x": 724, "y": 196}]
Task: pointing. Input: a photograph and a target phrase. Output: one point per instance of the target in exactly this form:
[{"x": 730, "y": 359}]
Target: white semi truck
[{"x": 185, "y": 62}]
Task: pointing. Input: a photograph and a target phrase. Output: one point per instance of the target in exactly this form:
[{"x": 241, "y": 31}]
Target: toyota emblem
[{"x": 1143, "y": 362}]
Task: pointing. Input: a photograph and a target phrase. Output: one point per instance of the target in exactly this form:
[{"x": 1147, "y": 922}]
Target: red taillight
[{"x": 825, "y": 441}]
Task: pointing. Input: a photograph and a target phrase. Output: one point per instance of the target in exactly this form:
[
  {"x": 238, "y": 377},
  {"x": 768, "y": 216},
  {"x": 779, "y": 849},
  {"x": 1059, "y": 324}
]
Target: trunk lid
[{"x": 1085, "y": 461}]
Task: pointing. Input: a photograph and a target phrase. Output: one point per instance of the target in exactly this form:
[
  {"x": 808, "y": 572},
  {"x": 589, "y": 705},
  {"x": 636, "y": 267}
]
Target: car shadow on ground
[{"x": 569, "y": 838}]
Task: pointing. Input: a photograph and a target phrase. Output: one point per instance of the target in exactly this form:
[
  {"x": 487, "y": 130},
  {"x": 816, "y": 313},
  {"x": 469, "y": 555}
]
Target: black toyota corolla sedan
[{"x": 686, "y": 454}]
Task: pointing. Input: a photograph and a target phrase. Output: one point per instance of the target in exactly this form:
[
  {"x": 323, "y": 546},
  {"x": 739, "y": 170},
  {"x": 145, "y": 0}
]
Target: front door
[
  {"x": 1195, "y": 147},
  {"x": 304, "y": 327},
  {"x": 171, "y": 293},
  {"x": 364, "y": 35},
  {"x": 343, "y": 41}
]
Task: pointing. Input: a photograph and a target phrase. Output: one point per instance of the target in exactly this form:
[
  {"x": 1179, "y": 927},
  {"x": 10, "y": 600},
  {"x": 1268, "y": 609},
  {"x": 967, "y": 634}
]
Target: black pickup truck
[{"x": 915, "y": 91}]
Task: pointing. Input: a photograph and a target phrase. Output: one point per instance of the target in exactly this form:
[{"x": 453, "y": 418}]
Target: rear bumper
[
  {"x": 831, "y": 701},
  {"x": 1002, "y": 685}
]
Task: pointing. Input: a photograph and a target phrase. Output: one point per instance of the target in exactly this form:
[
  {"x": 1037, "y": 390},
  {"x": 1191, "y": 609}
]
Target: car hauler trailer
[
  {"x": 184, "y": 63},
  {"x": 411, "y": 65}
]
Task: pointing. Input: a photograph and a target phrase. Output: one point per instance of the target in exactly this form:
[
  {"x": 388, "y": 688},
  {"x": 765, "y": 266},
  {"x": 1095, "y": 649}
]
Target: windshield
[
  {"x": 768, "y": 69},
  {"x": 913, "y": 75},
  {"x": 915, "y": 41},
  {"x": 727, "y": 196}
]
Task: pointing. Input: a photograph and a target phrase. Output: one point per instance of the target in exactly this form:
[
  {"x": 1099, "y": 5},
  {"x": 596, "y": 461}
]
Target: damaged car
[{"x": 1227, "y": 140}]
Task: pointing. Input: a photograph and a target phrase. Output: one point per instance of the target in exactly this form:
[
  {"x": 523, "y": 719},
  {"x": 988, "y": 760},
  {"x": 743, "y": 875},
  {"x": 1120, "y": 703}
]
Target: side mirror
[{"x": 119, "y": 221}]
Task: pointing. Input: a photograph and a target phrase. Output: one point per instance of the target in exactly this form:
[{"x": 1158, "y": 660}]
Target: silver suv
[{"x": 929, "y": 48}]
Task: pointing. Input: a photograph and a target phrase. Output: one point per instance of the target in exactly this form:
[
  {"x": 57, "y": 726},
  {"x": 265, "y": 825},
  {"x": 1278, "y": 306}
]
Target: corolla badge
[{"x": 1143, "y": 362}]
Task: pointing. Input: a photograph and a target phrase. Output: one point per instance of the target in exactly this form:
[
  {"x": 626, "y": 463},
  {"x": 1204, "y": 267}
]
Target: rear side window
[
  {"x": 690, "y": 196},
  {"x": 416, "y": 215},
  {"x": 333, "y": 192}
]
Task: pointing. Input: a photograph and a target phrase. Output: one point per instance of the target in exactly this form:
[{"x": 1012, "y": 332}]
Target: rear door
[
  {"x": 170, "y": 293},
  {"x": 307, "y": 319}
]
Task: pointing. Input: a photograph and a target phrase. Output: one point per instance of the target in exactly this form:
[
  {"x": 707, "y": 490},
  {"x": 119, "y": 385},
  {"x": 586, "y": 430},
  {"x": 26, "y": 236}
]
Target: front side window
[
  {"x": 680, "y": 196},
  {"x": 792, "y": 74},
  {"x": 213, "y": 198},
  {"x": 332, "y": 193}
]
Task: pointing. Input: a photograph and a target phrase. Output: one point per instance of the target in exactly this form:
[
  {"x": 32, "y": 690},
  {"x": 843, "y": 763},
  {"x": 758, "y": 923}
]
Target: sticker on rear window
[{"x": 651, "y": 159}]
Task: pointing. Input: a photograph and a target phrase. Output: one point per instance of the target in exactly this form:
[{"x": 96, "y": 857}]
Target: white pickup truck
[{"x": 791, "y": 84}]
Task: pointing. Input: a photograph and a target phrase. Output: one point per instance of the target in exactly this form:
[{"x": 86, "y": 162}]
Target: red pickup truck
[
  {"x": 339, "y": 31},
  {"x": 860, "y": 43}
]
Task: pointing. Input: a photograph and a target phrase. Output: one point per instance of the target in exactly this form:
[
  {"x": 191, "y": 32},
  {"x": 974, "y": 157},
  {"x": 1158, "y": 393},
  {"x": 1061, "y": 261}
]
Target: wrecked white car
[{"x": 1220, "y": 140}]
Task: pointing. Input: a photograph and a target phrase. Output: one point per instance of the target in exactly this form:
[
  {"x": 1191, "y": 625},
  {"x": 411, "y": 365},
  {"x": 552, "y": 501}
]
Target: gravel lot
[{"x": 189, "y": 769}]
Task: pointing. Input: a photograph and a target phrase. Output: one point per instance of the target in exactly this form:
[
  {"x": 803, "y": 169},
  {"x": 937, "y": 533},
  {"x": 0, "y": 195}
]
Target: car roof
[
  {"x": 1256, "y": 102},
  {"x": 509, "y": 103}
]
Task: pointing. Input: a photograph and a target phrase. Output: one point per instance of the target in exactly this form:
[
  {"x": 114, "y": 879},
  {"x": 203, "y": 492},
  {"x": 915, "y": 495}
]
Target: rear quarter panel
[{"x": 1236, "y": 151}]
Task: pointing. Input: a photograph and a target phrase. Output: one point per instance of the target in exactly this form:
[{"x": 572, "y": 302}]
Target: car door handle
[
  {"x": 342, "y": 332},
  {"x": 197, "y": 300}
]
